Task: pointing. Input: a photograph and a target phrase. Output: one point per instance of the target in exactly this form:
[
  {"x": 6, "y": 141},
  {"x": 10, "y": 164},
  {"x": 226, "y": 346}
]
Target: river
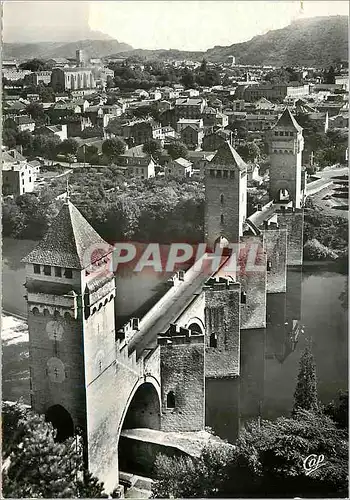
[{"x": 269, "y": 363}]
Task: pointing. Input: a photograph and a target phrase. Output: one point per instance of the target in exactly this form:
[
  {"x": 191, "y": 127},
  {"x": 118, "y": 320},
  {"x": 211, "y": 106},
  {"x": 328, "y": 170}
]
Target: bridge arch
[
  {"x": 196, "y": 326},
  {"x": 143, "y": 406}
]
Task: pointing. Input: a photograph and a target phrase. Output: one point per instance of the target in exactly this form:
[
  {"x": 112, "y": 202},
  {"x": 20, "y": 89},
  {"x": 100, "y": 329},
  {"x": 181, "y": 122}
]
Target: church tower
[
  {"x": 70, "y": 292},
  {"x": 286, "y": 144},
  {"x": 225, "y": 197}
]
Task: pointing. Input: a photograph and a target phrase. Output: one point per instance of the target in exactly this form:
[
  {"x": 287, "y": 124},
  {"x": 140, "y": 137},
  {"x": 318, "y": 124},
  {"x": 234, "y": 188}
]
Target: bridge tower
[
  {"x": 286, "y": 144},
  {"x": 70, "y": 297},
  {"x": 225, "y": 197}
]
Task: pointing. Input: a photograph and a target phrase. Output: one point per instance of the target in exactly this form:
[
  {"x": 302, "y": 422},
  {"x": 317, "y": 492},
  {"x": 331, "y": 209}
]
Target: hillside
[
  {"x": 317, "y": 41},
  {"x": 46, "y": 50},
  {"x": 163, "y": 54}
]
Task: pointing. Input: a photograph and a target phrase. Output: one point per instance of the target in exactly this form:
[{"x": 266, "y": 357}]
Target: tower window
[
  {"x": 221, "y": 199},
  {"x": 213, "y": 340},
  {"x": 47, "y": 270},
  {"x": 269, "y": 265},
  {"x": 243, "y": 298},
  {"x": 68, "y": 273},
  {"x": 281, "y": 133},
  {"x": 170, "y": 400},
  {"x": 212, "y": 173},
  {"x": 58, "y": 272},
  {"x": 221, "y": 219},
  {"x": 225, "y": 174},
  {"x": 232, "y": 174},
  {"x": 218, "y": 173},
  {"x": 36, "y": 269}
]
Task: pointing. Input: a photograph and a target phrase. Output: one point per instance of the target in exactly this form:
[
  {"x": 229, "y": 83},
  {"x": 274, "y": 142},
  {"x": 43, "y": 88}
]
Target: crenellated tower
[
  {"x": 70, "y": 295},
  {"x": 225, "y": 197},
  {"x": 286, "y": 144}
]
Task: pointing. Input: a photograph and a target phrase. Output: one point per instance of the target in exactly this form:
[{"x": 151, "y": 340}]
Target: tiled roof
[
  {"x": 68, "y": 241},
  {"x": 288, "y": 120},
  {"x": 228, "y": 156}
]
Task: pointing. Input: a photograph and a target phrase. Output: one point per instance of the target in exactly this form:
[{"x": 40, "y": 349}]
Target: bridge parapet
[
  {"x": 178, "y": 335},
  {"x": 221, "y": 283}
]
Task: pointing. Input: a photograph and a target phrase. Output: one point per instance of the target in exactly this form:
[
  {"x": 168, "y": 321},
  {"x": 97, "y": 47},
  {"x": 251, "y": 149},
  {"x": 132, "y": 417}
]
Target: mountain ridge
[{"x": 317, "y": 41}]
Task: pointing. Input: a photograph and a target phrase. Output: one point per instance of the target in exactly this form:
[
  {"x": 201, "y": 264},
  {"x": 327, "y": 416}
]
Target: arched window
[
  {"x": 35, "y": 311},
  {"x": 213, "y": 340},
  {"x": 222, "y": 219},
  {"x": 170, "y": 399},
  {"x": 221, "y": 199},
  {"x": 243, "y": 298}
]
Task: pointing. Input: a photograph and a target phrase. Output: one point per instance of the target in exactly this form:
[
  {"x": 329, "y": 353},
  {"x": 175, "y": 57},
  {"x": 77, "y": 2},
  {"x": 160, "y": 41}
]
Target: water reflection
[{"x": 311, "y": 308}]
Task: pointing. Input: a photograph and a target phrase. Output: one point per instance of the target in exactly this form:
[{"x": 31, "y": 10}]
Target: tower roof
[
  {"x": 288, "y": 120},
  {"x": 228, "y": 156},
  {"x": 68, "y": 242}
]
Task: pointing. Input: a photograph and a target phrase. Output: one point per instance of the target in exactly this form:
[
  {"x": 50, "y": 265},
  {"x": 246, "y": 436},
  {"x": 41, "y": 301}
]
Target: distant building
[
  {"x": 138, "y": 163},
  {"x": 179, "y": 168},
  {"x": 192, "y": 136},
  {"x": 80, "y": 58},
  {"x": 18, "y": 176},
  {"x": 213, "y": 140},
  {"x": 15, "y": 74},
  {"x": 24, "y": 122},
  {"x": 38, "y": 77},
  {"x": 72, "y": 79},
  {"x": 189, "y": 107},
  {"x": 232, "y": 60},
  {"x": 58, "y": 130}
]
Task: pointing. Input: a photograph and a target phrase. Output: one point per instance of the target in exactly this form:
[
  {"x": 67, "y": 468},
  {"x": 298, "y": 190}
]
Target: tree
[
  {"x": 330, "y": 76},
  {"x": 88, "y": 154},
  {"x": 153, "y": 147},
  {"x": 114, "y": 147},
  {"x": 36, "y": 112},
  {"x": 177, "y": 149},
  {"x": 40, "y": 467},
  {"x": 268, "y": 457},
  {"x": 68, "y": 146},
  {"x": 26, "y": 140},
  {"x": 338, "y": 410},
  {"x": 188, "y": 79},
  {"x": 249, "y": 151},
  {"x": 305, "y": 395},
  {"x": 34, "y": 65},
  {"x": 9, "y": 137}
]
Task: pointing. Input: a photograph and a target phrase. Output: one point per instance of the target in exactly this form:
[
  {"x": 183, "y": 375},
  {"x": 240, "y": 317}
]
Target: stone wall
[
  {"x": 222, "y": 335},
  {"x": 182, "y": 373},
  {"x": 63, "y": 382},
  {"x": 293, "y": 222},
  {"x": 252, "y": 277},
  {"x": 275, "y": 241}
]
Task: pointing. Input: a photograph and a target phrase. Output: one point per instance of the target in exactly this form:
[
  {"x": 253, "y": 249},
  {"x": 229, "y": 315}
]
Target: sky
[
  {"x": 177, "y": 24},
  {"x": 199, "y": 25}
]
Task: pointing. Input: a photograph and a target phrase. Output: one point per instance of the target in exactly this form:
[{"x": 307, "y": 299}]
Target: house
[
  {"x": 199, "y": 160},
  {"x": 37, "y": 77},
  {"x": 58, "y": 130},
  {"x": 86, "y": 143},
  {"x": 192, "y": 136},
  {"x": 213, "y": 140},
  {"x": 76, "y": 124},
  {"x": 253, "y": 173},
  {"x": 18, "y": 176},
  {"x": 185, "y": 122},
  {"x": 24, "y": 122},
  {"x": 186, "y": 107},
  {"x": 58, "y": 62},
  {"x": 137, "y": 162},
  {"x": 179, "y": 168},
  {"x": 140, "y": 131}
]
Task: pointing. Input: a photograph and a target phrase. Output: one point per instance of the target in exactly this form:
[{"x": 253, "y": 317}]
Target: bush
[{"x": 314, "y": 250}]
